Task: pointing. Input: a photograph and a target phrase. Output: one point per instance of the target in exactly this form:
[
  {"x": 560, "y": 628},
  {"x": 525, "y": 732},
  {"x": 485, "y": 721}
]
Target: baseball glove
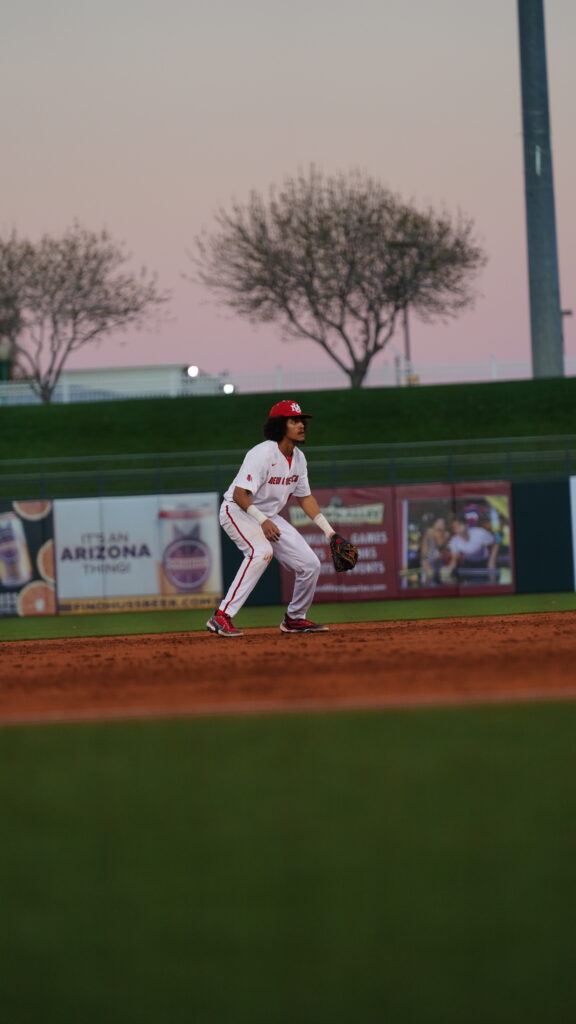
[{"x": 344, "y": 554}]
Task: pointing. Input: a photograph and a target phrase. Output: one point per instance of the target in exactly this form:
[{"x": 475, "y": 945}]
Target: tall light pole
[
  {"x": 405, "y": 247},
  {"x": 408, "y": 372},
  {"x": 545, "y": 307}
]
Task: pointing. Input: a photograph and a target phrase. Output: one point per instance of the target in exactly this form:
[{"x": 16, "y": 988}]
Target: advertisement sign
[
  {"x": 454, "y": 539},
  {"x": 364, "y": 516},
  {"x": 573, "y": 514},
  {"x": 145, "y": 552},
  {"x": 27, "y": 578}
]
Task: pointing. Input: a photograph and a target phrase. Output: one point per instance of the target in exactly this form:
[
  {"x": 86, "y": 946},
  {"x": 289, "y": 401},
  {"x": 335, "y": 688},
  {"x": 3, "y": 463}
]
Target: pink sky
[{"x": 145, "y": 117}]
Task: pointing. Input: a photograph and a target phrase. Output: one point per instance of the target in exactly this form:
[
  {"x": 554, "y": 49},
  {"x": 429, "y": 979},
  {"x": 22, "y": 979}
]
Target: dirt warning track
[{"x": 444, "y": 661}]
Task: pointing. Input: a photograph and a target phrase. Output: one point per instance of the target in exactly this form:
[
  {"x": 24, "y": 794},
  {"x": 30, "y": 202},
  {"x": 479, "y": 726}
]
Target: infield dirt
[{"x": 444, "y": 661}]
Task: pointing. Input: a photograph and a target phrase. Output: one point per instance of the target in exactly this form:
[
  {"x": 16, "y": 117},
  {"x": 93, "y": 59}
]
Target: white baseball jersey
[{"x": 271, "y": 477}]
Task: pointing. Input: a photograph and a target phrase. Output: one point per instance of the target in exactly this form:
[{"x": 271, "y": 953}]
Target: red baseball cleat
[
  {"x": 289, "y": 625},
  {"x": 221, "y": 625}
]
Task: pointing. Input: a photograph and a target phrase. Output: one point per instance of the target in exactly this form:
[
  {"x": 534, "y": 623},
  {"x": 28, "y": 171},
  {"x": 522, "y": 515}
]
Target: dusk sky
[{"x": 145, "y": 116}]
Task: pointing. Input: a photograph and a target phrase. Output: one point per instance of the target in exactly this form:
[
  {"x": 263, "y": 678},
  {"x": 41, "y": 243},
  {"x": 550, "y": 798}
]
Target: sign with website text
[
  {"x": 364, "y": 516},
  {"x": 139, "y": 553}
]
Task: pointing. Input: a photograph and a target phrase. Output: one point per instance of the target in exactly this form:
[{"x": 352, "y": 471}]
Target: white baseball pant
[{"x": 290, "y": 549}]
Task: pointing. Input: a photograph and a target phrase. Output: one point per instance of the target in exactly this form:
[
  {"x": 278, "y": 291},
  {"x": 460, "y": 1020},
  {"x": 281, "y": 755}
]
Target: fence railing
[
  {"x": 390, "y": 373},
  {"x": 348, "y": 465}
]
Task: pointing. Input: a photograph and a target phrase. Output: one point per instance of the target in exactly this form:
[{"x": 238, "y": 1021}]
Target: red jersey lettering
[{"x": 284, "y": 480}]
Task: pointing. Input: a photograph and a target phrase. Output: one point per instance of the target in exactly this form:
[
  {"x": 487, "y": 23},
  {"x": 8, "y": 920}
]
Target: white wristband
[
  {"x": 323, "y": 524},
  {"x": 256, "y": 514}
]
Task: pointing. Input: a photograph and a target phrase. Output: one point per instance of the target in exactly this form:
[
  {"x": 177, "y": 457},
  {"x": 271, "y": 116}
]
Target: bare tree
[
  {"x": 61, "y": 294},
  {"x": 336, "y": 260},
  {"x": 15, "y": 268}
]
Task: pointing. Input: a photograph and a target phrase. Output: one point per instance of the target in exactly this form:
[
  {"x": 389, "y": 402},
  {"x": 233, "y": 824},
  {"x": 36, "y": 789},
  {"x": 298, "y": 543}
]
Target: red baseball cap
[{"x": 288, "y": 408}]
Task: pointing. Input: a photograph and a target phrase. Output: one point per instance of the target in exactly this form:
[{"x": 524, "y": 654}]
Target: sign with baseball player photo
[
  {"x": 27, "y": 584},
  {"x": 139, "y": 553},
  {"x": 363, "y": 515},
  {"x": 454, "y": 539}
]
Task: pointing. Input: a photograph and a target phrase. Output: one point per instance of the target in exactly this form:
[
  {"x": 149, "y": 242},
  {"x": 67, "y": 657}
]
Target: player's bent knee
[
  {"x": 265, "y": 552},
  {"x": 316, "y": 563},
  {"x": 311, "y": 568}
]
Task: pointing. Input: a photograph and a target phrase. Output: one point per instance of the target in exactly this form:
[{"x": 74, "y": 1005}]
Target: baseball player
[{"x": 271, "y": 473}]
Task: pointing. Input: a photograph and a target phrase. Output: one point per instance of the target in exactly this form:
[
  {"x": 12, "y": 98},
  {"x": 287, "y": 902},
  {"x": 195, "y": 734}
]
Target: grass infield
[
  {"x": 47, "y": 627},
  {"x": 407, "y": 866}
]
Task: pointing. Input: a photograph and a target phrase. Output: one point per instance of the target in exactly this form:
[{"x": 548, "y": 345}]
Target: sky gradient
[{"x": 144, "y": 117}]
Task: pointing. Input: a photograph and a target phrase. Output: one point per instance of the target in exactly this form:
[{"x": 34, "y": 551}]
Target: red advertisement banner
[{"x": 364, "y": 515}]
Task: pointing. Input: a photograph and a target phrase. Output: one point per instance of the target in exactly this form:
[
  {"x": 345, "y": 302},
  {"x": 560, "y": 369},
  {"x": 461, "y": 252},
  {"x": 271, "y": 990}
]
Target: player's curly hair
[{"x": 275, "y": 428}]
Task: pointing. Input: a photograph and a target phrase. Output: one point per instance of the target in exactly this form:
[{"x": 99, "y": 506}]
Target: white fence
[{"x": 278, "y": 381}]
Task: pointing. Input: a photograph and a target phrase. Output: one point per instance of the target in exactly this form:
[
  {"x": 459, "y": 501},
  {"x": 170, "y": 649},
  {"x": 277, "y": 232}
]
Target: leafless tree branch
[
  {"x": 61, "y": 294},
  {"x": 337, "y": 260}
]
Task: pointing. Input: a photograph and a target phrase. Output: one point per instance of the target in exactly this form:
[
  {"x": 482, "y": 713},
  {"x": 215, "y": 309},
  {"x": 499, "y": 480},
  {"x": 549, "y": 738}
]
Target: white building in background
[
  {"x": 140, "y": 381},
  {"x": 173, "y": 380},
  {"x": 113, "y": 383}
]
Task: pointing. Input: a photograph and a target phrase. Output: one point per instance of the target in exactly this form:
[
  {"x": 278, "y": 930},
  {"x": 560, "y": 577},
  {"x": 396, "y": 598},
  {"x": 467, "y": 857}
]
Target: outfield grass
[
  {"x": 130, "y": 623},
  {"x": 411, "y": 867}
]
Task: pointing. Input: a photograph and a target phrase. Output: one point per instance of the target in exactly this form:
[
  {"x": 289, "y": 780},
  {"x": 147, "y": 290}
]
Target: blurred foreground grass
[{"x": 411, "y": 867}]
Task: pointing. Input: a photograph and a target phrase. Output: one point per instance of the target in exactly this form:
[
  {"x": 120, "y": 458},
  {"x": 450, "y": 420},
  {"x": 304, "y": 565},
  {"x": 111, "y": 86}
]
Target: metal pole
[
  {"x": 407, "y": 355},
  {"x": 545, "y": 309}
]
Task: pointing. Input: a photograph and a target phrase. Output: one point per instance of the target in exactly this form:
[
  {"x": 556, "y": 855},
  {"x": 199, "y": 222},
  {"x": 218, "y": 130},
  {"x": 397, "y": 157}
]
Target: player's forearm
[
  {"x": 243, "y": 498},
  {"x": 310, "y": 506}
]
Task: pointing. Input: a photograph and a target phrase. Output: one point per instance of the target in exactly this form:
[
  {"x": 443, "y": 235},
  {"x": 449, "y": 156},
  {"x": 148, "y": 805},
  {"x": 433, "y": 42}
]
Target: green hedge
[{"x": 442, "y": 412}]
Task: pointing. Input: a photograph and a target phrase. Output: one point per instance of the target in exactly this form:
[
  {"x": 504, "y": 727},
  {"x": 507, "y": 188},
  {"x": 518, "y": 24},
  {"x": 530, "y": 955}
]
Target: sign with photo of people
[{"x": 455, "y": 539}]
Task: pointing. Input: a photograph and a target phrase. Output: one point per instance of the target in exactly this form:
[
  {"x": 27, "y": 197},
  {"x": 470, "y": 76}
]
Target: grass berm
[{"x": 412, "y": 414}]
